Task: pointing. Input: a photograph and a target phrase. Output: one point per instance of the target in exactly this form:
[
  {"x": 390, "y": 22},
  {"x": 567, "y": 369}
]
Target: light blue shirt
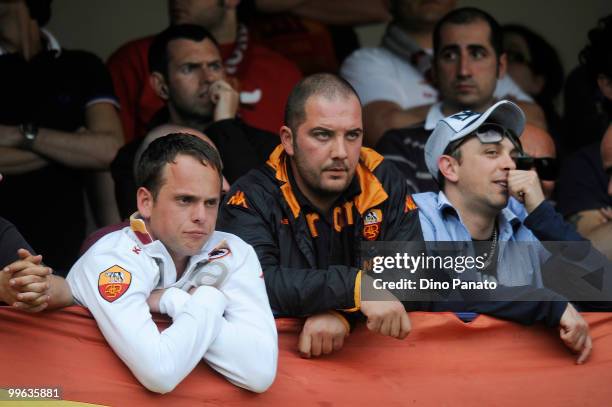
[{"x": 518, "y": 264}]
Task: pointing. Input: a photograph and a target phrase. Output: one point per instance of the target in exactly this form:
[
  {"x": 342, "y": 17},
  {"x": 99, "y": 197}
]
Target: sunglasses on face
[{"x": 546, "y": 167}]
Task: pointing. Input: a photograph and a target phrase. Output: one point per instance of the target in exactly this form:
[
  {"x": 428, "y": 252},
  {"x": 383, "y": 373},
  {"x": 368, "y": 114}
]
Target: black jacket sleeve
[
  {"x": 529, "y": 305},
  {"x": 547, "y": 224}
]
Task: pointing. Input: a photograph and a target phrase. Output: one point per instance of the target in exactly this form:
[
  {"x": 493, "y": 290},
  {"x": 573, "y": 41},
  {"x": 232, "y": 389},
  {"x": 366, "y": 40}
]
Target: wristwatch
[{"x": 30, "y": 132}]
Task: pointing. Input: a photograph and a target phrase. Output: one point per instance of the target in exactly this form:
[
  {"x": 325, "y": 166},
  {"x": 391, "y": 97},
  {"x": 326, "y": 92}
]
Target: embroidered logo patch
[
  {"x": 221, "y": 250},
  {"x": 410, "y": 204},
  {"x": 371, "y": 224},
  {"x": 218, "y": 253},
  {"x": 238, "y": 199},
  {"x": 113, "y": 283}
]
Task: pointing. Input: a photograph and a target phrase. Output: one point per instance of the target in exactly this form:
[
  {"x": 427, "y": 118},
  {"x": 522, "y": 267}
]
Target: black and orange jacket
[{"x": 262, "y": 208}]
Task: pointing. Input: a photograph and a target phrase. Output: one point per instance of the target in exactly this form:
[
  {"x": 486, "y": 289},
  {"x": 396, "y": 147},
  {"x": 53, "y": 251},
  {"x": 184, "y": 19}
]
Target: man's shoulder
[
  {"x": 376, "y": 55},
  {"x": 131, "y": 49},
  {"x": 416, "y": 131},
  {"x": 116, "y": 244},
  {"x": 257, "y": 187},
  {"x": 235, "y": 244},
  {"x": 266, "y": 62}
]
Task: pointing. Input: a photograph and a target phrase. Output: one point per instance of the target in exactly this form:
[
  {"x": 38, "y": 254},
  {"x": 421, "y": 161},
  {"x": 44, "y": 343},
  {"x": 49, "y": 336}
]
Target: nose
[
  {"x": 207, "y": 75},
  {"x": 465, "y": 67},
  {"x": 339, "y": 151},
  {"x": 508, "y": 162},
  {"x": 198, "y": 213}
]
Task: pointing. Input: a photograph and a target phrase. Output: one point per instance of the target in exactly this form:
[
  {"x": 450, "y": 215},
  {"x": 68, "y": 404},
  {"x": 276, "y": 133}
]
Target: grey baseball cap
[{"x": 460, "y": 125}]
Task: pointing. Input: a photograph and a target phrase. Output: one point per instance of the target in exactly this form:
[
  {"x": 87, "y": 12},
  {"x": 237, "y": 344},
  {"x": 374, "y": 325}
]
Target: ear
[
  {"x": 605, "y": 85},
  {"x": 158, "y": 83},
  {"x": 449, "y": 168},
  {"x": 145, "y": 202},
  {"x": 286, "y": 136},
  {"x": 502, "y": 66}
]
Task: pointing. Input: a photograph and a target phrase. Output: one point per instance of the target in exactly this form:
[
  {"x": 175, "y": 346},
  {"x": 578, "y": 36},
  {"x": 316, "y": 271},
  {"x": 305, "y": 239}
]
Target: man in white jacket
[{"x": 171, "y": 260}]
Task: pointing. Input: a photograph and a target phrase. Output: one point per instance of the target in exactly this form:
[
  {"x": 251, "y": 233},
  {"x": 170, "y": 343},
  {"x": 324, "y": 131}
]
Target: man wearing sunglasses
[{"x": 540, "y": 156}]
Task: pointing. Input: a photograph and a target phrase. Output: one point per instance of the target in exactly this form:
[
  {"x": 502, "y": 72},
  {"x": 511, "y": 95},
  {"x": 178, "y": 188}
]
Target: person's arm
[
  {"x": 101, "y": 196},
  {"x": 349, "y": 12},
  {"x": 14, "y": 161},
  {"x": 92, "y": 147},
  {"x": 382, "y": 115},
  {"x": 159, "y": 360},
  {"x": 601, "y": 239},
  {"x": 246, "y": 349},
  {"x": 374, "y": 76}
]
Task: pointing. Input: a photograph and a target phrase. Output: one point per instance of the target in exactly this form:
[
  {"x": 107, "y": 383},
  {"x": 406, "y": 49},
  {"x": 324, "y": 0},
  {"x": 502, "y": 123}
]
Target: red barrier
[{"x": 442, "y": 362}]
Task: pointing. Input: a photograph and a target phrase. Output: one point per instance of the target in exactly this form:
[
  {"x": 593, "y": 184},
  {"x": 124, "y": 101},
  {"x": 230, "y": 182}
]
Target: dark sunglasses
[
  {"x": 546, "y": 167},
  {"x": 609, "y": 172}
]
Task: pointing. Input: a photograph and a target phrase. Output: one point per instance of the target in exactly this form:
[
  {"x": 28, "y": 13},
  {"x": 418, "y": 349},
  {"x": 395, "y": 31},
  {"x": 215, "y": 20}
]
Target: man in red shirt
[{"x": 264, "y": 77}]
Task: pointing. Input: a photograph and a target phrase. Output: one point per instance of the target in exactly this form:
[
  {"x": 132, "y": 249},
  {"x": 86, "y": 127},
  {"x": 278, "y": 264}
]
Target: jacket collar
[{"x": 506, "y": 216}]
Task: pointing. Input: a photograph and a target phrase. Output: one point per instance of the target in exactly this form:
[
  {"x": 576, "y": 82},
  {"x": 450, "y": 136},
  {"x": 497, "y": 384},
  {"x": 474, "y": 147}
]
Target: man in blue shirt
[{"x": 471, "y": 156}]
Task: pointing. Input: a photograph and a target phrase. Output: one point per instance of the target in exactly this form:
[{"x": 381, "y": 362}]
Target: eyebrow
[{"x": 471, "y": 47}]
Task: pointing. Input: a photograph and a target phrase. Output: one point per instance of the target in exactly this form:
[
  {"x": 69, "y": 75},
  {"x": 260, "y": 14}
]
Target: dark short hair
[
  {"x": 597, "y": 55},
  {"x": 467, "y": 15},
  {"x": 544, "y": 61},
  {"x": 323, "y": 84},
  {"x": 158, "y": 51},
  {"x": 164, "y": 150},
  {"x": 40, "y": 10}
]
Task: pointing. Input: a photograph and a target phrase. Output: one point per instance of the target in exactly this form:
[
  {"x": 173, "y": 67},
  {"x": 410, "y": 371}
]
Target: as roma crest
[
  {"x": 113, "y": 283},
  {"x": 220, "y": 251},
  {"x": 371, "y": 224}
]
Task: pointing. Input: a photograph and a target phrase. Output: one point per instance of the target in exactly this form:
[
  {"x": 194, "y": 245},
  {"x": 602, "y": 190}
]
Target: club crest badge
[
  {"x": 220, "y": 251},
  {"x": 371, "y": 224},
  {"x": 113, "y": 283}
]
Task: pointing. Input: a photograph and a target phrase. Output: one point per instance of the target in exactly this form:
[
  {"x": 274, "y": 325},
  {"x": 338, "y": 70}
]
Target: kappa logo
[
  {"x": 238, "y": 199},
  {"x": 410, "y": 204},
  {"x": 136, "y": 249},
  {"x": 113, "y": 283},
  {"x": 371, "y": 224}
]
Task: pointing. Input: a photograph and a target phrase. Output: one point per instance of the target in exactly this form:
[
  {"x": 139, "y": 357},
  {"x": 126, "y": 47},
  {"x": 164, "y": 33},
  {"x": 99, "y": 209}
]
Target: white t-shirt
[{"x": 379, "y": 74}]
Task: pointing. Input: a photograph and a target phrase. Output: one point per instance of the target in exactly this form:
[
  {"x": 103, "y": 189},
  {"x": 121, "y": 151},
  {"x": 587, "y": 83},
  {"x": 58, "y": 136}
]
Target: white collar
[
  {"x": 50, "y": 41},
  {"x": 434, "y": 115}
]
